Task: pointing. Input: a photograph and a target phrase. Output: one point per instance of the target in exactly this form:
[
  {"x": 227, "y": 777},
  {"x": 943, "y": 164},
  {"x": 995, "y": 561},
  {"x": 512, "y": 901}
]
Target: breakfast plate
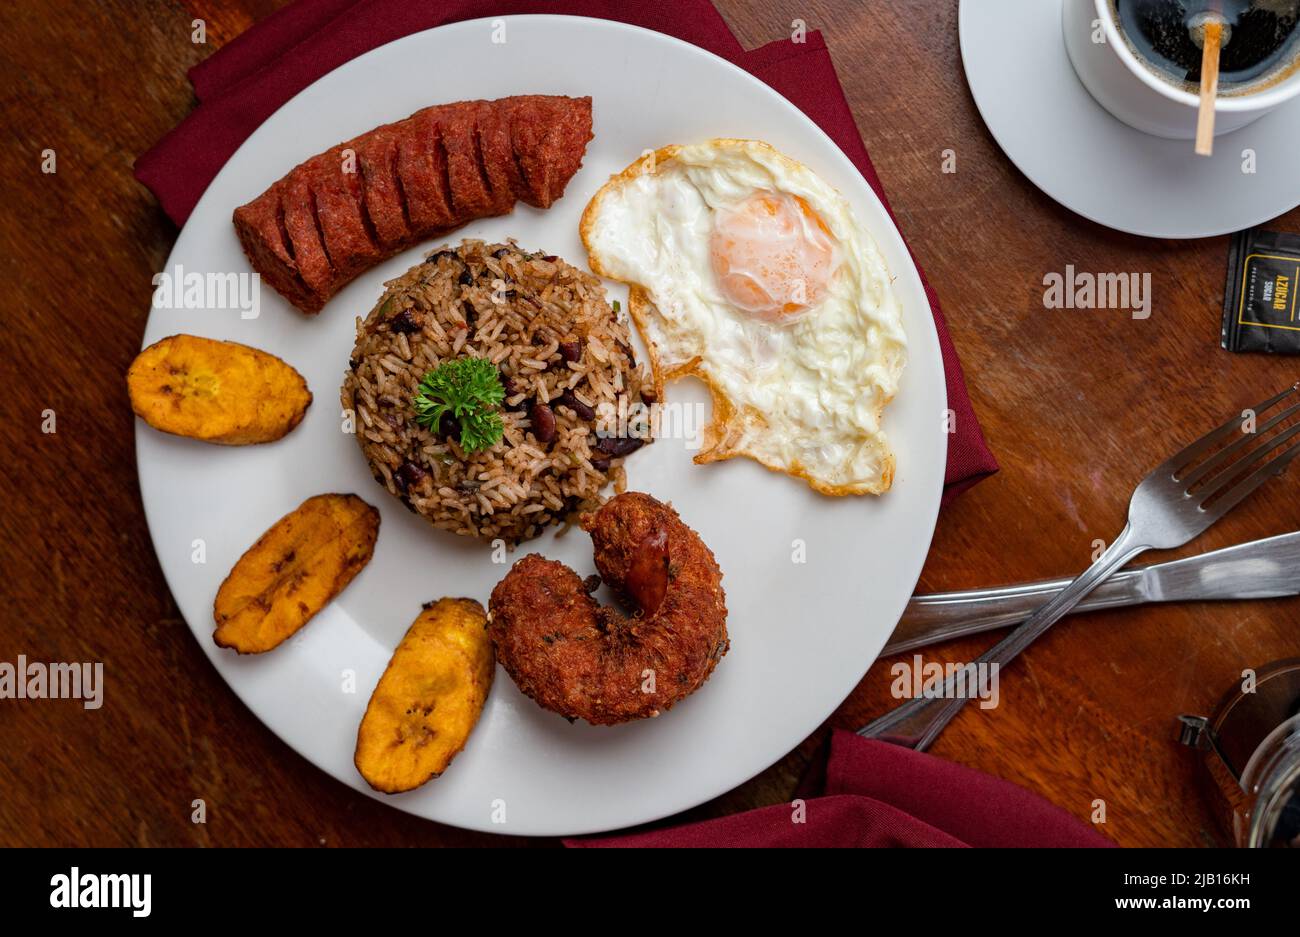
[
  {"x": 814, "y": 584},
  {"x": 1048, "y": 124}
]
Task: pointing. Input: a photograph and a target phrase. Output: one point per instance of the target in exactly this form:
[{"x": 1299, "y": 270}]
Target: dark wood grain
[{"x": 1077, "y": 405}]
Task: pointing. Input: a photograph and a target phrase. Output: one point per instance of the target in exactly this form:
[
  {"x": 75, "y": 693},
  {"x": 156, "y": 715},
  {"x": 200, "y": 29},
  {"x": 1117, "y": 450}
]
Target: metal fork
[{"x": 1179, "y": 500}]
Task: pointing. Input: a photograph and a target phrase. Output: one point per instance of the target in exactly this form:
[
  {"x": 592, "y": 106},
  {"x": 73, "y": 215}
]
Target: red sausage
[{"x": 359, "y": 203}]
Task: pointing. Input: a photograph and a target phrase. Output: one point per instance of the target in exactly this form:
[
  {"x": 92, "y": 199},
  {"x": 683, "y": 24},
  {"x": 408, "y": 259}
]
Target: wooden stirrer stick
[{"x": 1209, "y": 88}]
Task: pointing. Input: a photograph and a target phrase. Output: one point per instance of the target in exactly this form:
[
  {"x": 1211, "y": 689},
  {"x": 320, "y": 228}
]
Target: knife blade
[{"x": 1260, "y": 569}]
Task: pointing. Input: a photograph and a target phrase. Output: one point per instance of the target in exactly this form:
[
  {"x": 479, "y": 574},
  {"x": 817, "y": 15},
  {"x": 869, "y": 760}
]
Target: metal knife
[{"x": 1261, "y": 569}]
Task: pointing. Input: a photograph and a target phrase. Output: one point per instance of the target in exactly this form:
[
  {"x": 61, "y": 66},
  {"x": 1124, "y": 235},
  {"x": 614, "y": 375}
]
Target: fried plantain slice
[
  {"x": 293, "y": 571},
  {"x": 218, "y": 392},
  {"x": 429, "y": 698}
]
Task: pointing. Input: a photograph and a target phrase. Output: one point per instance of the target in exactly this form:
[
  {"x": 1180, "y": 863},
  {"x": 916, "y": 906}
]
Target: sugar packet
[{"x": 1259, "y": 303}]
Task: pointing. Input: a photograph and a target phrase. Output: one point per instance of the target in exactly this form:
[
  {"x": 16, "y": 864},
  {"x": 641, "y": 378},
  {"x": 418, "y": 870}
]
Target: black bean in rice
[{"x": 567, "y": 367}]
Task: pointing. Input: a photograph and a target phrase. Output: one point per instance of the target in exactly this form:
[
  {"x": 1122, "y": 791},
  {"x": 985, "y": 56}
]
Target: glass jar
[{"x": 1251, "y": 753}]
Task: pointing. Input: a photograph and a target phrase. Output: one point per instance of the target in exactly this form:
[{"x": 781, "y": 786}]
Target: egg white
[{"x": 803, "y": 395}]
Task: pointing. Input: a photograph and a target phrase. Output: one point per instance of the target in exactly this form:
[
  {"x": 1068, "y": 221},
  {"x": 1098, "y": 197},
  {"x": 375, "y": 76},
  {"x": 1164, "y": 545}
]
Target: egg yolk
[{"x": 771, "y": 254}]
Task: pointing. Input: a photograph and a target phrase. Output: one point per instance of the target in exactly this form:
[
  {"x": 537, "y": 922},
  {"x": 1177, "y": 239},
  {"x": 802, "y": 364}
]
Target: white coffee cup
[{"x": 1132, "y": 92}]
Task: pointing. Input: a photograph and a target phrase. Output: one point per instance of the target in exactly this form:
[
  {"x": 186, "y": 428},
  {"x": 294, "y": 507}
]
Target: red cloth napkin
[
  {"x": 876, "y": 794},
  {"x": 249, "y": 78},
  {"x": 873, "y": 794}
]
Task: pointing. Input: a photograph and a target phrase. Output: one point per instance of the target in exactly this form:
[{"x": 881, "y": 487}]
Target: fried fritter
[{"x": 587, "y": 661}]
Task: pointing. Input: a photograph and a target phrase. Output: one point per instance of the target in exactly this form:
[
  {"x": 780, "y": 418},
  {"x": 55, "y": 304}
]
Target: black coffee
[{"x": 1263, "y": 36}]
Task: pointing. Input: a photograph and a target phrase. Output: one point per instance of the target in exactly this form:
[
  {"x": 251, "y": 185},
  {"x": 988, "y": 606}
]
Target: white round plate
[
  {"x": 802, "y": 634},
  {"x": 1070, "y": 147}
]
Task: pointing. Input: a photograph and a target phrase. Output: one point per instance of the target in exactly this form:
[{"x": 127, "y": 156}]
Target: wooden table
[{"x": 1076, "y": 404}]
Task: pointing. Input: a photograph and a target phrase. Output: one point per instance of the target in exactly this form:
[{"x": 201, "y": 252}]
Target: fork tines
[{"x": 1211, "y": 480}]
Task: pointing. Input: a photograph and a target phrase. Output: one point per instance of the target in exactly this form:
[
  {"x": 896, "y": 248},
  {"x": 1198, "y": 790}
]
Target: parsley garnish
[{"x": 469, "y": 390}]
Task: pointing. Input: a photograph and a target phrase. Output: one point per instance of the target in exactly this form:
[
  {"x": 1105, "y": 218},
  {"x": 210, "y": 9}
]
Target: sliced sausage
[{"x": 310, "y": 233}]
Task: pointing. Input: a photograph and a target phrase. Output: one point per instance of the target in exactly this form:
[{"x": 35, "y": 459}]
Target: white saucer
[{"x": 1071, "y": 148}]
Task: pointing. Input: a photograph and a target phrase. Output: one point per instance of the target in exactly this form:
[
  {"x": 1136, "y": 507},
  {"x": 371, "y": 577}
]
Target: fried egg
[{"x": 750, "y": 272}]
